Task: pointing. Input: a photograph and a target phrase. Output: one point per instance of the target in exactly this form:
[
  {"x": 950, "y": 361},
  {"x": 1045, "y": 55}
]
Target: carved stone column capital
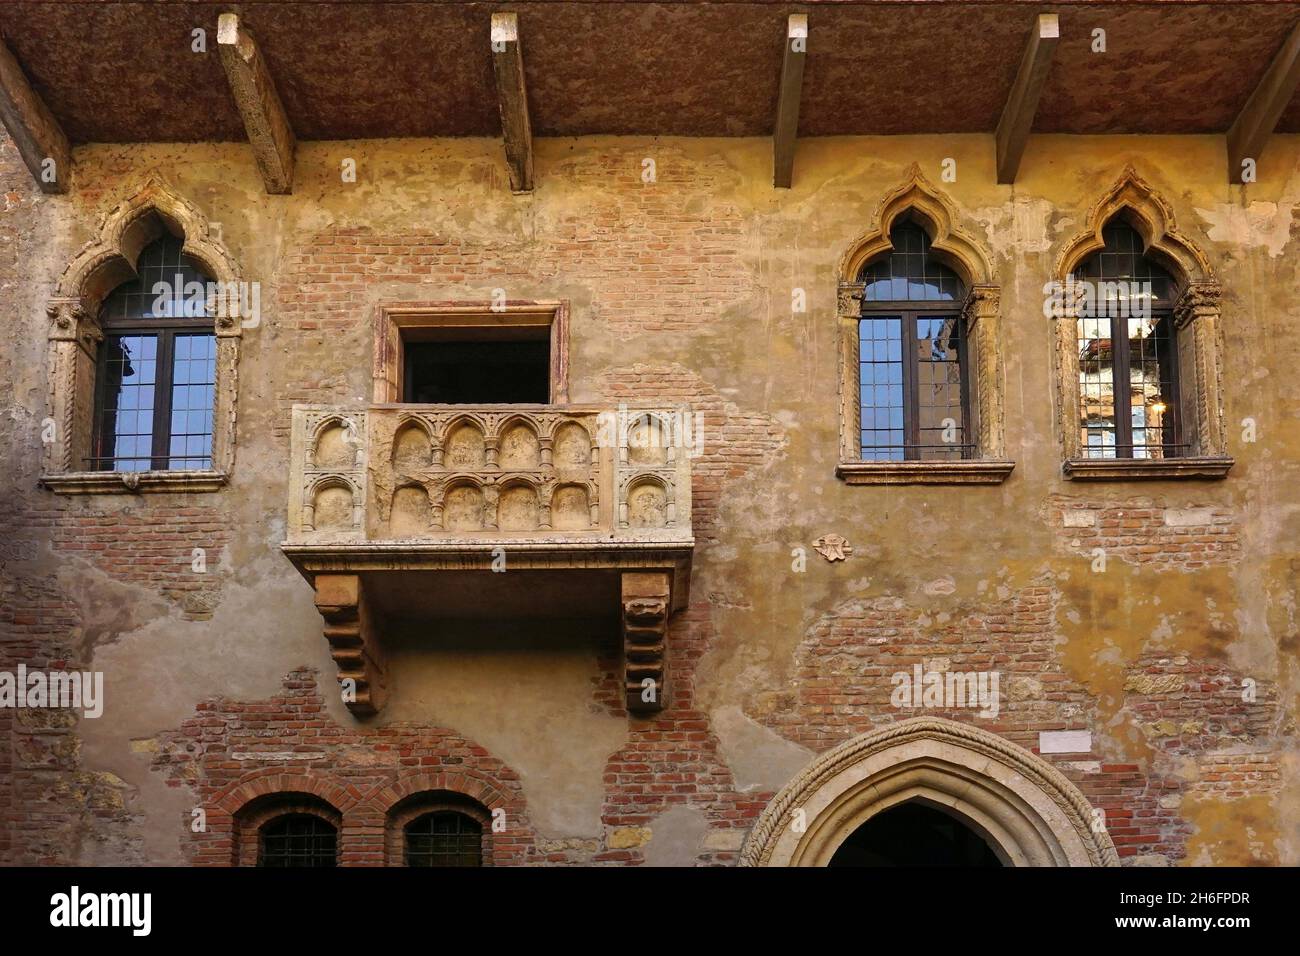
[
  {"x": 849, "y": 299},
  {"x": 982, "y": 301},
  {"x": 72, "y": 321},
  {"x": 1199, "y": 300}
]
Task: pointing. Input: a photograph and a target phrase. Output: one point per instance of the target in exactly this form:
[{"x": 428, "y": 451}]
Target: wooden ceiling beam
[
  {"x": 512, "y": 96},
  {"x": 37, "y": 134},
  {"x": 1250, "y": 131},
  {"x": 1022, "y": 102},
  {"x": 786, "y": 129},
  {"x": 269, "y": 131}
]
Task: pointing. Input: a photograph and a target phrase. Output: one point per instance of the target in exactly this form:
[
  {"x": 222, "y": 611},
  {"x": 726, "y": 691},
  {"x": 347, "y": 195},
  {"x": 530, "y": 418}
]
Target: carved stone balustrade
[{"x": 522, "y": 489}]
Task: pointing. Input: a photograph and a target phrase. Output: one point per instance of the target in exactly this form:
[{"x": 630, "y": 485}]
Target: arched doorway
[
  {"x": 914, "y": 834},
  {"x": 1020, "y": 806}
]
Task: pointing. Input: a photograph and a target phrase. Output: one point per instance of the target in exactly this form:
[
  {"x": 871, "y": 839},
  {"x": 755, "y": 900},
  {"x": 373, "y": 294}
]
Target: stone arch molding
[
  {"x": 958, "y": 248},
  {"x": 1137, "y": 202},
  {"x": 1028, "y": 811},
  {"x": 1197, "y": 319},
  {"x": 74, "y": 335},
  {"x": 918, "y": 197}
]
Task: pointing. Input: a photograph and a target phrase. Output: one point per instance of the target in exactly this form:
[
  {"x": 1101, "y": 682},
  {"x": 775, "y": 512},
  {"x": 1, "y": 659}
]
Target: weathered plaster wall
[{"x": 680, "y": 289}]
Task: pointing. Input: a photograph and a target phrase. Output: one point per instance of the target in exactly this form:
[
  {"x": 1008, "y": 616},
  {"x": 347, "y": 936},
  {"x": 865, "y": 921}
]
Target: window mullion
[
  {"x": 162, "y": 410},
  {"x": 964, "y": 372},
  {"x": 98, "y": 438},
  {"x": 1121, "y": 388},
  {"x": 911, "y": 410}
]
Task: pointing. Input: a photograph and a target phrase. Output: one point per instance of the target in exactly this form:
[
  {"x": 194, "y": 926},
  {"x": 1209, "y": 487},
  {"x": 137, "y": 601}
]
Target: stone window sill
[
  {"x": 976, "y": 472},
  {"x": 1137, "y": 469},
  {"x": 132, "y": 482}
]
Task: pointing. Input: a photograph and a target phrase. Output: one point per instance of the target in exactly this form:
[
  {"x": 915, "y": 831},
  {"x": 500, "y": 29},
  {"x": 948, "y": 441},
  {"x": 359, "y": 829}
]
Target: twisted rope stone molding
[{"x": 1027, "y": 810}]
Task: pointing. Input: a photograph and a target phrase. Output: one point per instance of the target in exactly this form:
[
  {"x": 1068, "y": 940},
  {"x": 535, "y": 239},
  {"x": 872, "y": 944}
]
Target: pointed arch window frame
[
  {"x": 980, "y": 314},
  {"x": 1197, "y": 324},
  {"x": 75, "y": 336}
]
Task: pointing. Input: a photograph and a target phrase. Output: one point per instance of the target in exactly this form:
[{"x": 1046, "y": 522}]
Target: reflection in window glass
[
  {"x": 1097, "y": 387},
  {"x": 913, "y": 396},
  {"x": 157, "y": 368},
  {"x": 940, "y": 401},
  {"x": 1128, "y": 382}
]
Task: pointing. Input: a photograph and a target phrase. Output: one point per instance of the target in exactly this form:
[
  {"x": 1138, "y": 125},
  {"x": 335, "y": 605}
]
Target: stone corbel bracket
[
  {"x": 353, "y": 639},
  {"x": 646, "y": 606}
]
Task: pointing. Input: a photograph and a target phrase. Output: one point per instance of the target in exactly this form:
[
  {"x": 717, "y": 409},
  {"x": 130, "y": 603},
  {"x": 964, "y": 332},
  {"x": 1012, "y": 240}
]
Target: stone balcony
[{"x": 401, "y": 510}]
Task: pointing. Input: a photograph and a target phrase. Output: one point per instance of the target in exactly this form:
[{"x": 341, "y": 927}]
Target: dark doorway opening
[{"x": 914, "y": 834}]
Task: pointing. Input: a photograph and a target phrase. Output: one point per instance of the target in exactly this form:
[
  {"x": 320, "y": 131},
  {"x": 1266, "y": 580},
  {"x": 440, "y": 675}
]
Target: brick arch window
[
  {"x": 1128, "y": 352},
  {"x": 439, "y": 828},
  {"x": 156, "y": 368},
  {"x": 913, "y": 370},
  {"x": 287, "y": 829}
]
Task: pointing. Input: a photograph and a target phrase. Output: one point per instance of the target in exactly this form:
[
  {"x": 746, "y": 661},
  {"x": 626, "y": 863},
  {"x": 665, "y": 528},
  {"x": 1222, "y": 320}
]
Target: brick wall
[
  {"x": 1146, "y": 531},
  {"x": 231, "y": 753},
  {"x": 842, "y": 687},
  {"x": 53, "y": 807}
]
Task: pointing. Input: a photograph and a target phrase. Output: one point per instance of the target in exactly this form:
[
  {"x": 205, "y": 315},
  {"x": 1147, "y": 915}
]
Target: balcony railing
[
  {"x": 479, "y": 476},
  {"x": 602, "y": 496}
]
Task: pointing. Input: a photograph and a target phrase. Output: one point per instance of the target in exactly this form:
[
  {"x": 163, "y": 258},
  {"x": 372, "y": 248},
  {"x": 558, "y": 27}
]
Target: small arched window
[
  {"x": 297, "y": 840},
  {"x": 157, "y": 368},
  {"x": 1128, "y": 353},
  {"x": 443, "y": 838},
  {"x": 913, "y": 379}
]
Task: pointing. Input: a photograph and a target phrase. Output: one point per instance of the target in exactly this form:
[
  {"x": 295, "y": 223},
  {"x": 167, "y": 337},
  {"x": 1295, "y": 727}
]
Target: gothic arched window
[
  {"x": 913, "y": 373},
  {"x": 1128, "y": 352},
  {"x": 155, "y": 386}
]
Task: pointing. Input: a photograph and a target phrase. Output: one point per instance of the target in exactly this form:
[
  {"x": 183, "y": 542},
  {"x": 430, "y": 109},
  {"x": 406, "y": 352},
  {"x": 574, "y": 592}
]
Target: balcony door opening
[
  {"x": 487, "y": 369},
  {"x": 472, "y": 353}
]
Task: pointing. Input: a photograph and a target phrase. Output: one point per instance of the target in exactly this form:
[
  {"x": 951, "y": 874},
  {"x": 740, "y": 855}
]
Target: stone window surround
[
  {"x": 1196, "y": 321},
  {"x": 393, "y": 319},
  {"x": 981, "y": 314},
  {"x": 74, "y": 336}
]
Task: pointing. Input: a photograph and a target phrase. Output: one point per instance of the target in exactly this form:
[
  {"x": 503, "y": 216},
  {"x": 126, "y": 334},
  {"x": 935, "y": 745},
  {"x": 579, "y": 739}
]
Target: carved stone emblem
[{"x": 832, "y": 547}]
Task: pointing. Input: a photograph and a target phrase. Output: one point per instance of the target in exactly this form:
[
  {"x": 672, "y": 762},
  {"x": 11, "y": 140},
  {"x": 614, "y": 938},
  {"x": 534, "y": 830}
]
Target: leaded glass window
[
  {"x": 1128, "y": 356},
  {"x": 914, "y": 387},
  {"x": 155, "y": 388}
]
